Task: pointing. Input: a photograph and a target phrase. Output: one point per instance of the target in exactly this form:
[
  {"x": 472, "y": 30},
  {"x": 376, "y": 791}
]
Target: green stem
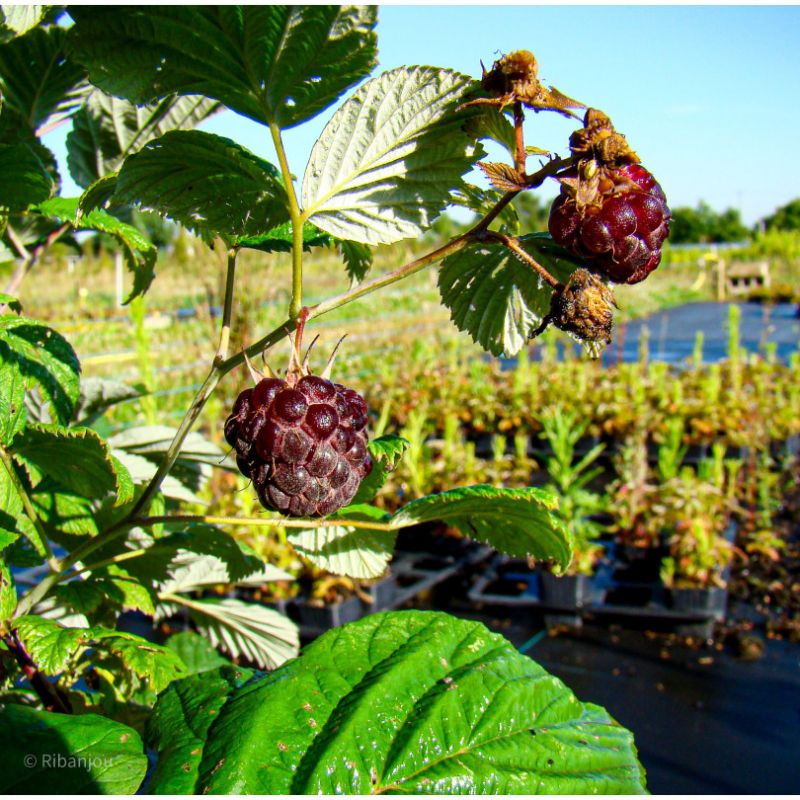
[
  {"x": 227, "y": 311},
  {"x": 262, "y": 522},
  {"x": 27, "y": 505},
  {"x": 296, "y": 303}
]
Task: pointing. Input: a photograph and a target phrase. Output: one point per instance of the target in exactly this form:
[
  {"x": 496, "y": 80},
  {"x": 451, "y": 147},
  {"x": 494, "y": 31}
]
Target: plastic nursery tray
[{"x": 510, "y": 583}]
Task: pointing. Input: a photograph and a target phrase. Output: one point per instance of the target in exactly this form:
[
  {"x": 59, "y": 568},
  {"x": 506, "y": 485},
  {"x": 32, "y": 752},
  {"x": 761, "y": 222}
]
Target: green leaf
[
  {"x": 386, "y": 452},
  {"x": 108, "y": 129},
  {"x": 97, "y": 395},
  {"x": 11, "y": 302},
  {"x": 46, "y": 753},
  {"x": 49, "y": 644},
  {"x": 140, "y": 254},
  {"x": 481, "y": 201},
  {"x": 46, "y": 360},
  {"x": 17, "y": 20},
  {"x": 497, "y": 298},
  {"x": 345, "y": 550},
  {"x": 279, "y": 239},
  {"x": 420, "y": 703},
  {"x": 357, "y": 259},
  {"x": 97, "y": 195},
  {"x": 36, "y": 79},
  {"x": 64, "y": 511},
  {"x": 271, "y": 63},
  {"x": 52, "y": 646},
  {"x": 386, "y": 164},
  {"x": 13, "y": 520},
  {"x": 12, "y": 395},
  {"x": 26, "y": 176},
  {"x": 8, "y": 592},
  {"x": 491, "y": 123},
  {"x": 208, "y": 183},
  {"x": 77, "y": 458},
  {"x": 157, "y": 666},
  {"x": 195, "y": 652},
  {"x": 178, "y": 727},
  {"x": 245, "y": 630},
  {"x": 520, "y": 522}
]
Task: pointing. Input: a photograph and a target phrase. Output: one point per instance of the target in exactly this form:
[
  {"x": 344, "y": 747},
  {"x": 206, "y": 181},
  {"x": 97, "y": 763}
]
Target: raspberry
[
  {"x": 303, "y": 443},
  {"x": 584, "y": 308},
  {"x": 620, "y": 236}
]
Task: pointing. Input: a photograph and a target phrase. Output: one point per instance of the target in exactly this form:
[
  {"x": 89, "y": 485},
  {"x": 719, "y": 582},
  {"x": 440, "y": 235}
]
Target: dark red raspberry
[
  {"x": 303, "y": 443},
  {"x": 619, "y": 234}
]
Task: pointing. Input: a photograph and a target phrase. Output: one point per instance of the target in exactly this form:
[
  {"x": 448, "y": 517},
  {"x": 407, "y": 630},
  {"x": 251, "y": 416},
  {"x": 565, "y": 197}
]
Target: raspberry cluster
[
  {"x": 620, "y": 236},
  {"x": 303, "y": 443},
  {"x": 611, "y": 211}
]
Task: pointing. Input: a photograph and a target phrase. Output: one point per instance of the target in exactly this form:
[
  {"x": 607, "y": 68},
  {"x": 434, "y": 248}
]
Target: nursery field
[{"x": 692, "y": 451}]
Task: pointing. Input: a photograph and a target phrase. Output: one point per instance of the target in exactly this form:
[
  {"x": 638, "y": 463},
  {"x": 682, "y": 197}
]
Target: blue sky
[{"x": 707, "y": 95}]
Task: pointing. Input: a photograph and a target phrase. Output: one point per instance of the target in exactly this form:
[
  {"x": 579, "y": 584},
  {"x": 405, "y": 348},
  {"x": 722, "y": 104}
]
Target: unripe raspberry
[{"x": 303, "y": 443}]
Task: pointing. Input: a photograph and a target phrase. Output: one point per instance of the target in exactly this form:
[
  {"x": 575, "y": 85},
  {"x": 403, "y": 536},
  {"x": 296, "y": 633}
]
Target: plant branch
[
  {"x": 296, "y": 303},
  {"x": 512, "y": 243},
  {"x": 264, "y": 522},
  {"x": 227, "y": 311},
  {"x": 520, "y": 156},
  {"x": 27, "y": 506}
]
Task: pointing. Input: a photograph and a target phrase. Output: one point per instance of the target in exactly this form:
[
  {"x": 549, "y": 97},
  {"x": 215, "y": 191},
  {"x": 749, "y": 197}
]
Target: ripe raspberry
[
  {"x": 303, "y": 443},
  {"x": 621, "y": 233}
]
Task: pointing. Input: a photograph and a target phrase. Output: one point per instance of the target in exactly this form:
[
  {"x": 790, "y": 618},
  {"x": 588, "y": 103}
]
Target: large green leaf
[
  {"x": 76, "y": 458},
  {"x": 344, "y": 549},
  {"x": 46, "y": 360},
  {"x": 48, "y": 754},
  {"x": 271, "y": 63},
  {"x": 178, "y": 727},
  {"x": 140, "y": 254},
  {"x": 17, "y": 20},
  {"x": 108, "y": 129},
  {"x": 497, "y": 298},
  {"x": 206, "y": 182},
  {"x": 414, "y": 702},
  {"x": 37, "y": 80},
  {"x": 67, "y": 512},
  {"x": 386, "y": 164},
  {"x": 520, "y": 522}
]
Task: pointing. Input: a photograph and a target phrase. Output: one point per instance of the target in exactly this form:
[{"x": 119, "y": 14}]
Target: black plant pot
[
  {"x": 567, "y": 593},
  {"x": 322, "y": 618}
]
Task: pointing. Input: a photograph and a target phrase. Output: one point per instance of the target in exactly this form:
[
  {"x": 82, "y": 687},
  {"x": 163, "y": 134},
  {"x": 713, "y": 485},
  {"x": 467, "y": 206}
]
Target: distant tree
[
  {"x": 703, "y": 224},
  {"x": 785, "y": 218}
]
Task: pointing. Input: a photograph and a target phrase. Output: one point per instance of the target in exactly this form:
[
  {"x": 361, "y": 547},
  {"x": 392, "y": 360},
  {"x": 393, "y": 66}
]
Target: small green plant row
[
  {"x": 741, "y": 402},
  {"x": 99, "y": 522}
]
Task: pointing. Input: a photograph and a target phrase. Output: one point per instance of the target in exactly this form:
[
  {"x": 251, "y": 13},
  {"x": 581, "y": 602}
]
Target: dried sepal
[
  {"x": 584, "y": 308},
  {"x": 503, "y": 177}
]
